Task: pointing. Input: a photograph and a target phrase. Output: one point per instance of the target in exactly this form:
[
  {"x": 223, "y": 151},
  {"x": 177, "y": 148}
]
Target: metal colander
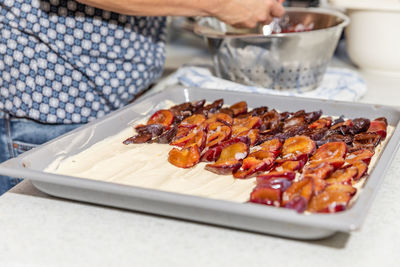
[{"x": 282, "y": 61}]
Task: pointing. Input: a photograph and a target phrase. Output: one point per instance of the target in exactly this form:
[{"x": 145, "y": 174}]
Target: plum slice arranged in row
[
  {"x": 301, "y": 160},
  {"x": 230, "y": 159}
]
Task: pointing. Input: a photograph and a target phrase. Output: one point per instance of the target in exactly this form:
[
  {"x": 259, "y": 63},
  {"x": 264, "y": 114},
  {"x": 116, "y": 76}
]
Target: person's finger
[
  {"x": 267, "y": 20},
  {"x": 277, "y": 10},
  {"x": 245, "y": 24}
]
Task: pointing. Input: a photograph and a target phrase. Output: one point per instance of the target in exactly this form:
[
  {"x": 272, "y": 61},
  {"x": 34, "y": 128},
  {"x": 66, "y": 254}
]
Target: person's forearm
[
  {"x": 241, "y": 13},
  {"x": 155, "y": 7}
]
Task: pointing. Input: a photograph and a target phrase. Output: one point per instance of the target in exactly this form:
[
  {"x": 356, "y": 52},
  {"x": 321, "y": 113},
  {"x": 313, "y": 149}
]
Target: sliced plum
[
  {"x": 343, "y": 176},
  {"x": 296, "y": 146},
  {"x": 138, "y": 139},
  {"x": 217, "y": 133},
  {"x": 259, "y": 111},
  {"x": 378, "y": 127},
  {"x": 239, "y": 108},
  {"x": 290, "y": 175},
  {"x": 167, "y": 136},
  {"x": 196, "y": 136},
  {"x": 227, "y": 111},
  {"x": 213, "y": 107},
  {"x": 364, "y": 155},
  {"x": 343, "y": 128},
  {"x": 182, "y": 111},
  {"x": 291, "y": 132},
  {"x": 211, "y": 154},
  {"x": 230, "y": 159},
  {"x": 318, "y": 172},
  {"x": 382, "y": 119},
  {"x": 303, "y": 188},
  {"x": 315, "y": 134},
  {"x": 291, "y": 165},
  {"x": 263, "y": 154},
  {"x": 266, "y": 195},
  {"x": 198, "y": 104},
  {"x": 181, "y": 132},
  {"x": 242, "y": 125},
  {"x": 333, "y": 153},
  {"x": 185, "y": 157},
  {"x": 162, "y": 116},
  {"x": 294, "y": 121},
  {"x": 274, "y": 146},
  {"x": 362, "y": 168},
  {"x": 253, "y": 134},
  {"x": 338, "y": 120},
  {"x": 186, "y": 106},
  {"x": 251, "y": 122},
  {"x": 325, "y": 122},
  {"x": 193, "y": 121},
  {"x": 220, "y": 117},
  {"x": 253, "y": 166},
  {"x": 332, "y": 137},
  {"x": 270, "y": 120},
  {"x": 366, "y": 140},
  {"x": 281, "y": 183},
  {"x": 153, "y": 129},
  {"x": 333, "y": 199},
  {"x": 312, "y": 116},
  {"x": 185, "y": 140},
  {"x": 360, "y": 125},
  {"x": 297, "y": 203}
]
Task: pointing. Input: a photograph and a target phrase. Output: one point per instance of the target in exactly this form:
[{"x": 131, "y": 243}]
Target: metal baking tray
[{"x": 247, "y": 216}]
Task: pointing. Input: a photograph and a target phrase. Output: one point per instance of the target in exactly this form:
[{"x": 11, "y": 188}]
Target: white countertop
[{"x": 39, "y": 230}]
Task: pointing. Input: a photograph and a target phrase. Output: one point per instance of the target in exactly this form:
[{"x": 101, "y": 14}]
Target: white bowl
[{"x": 373, "y": 36}]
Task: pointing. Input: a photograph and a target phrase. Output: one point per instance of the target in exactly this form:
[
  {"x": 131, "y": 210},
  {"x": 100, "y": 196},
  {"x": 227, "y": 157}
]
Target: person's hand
[{"x": 247, "y": 13}]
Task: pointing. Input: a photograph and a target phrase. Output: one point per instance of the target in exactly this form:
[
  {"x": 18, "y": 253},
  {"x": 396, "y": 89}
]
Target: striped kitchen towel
[{"x": 337, "y": 84}]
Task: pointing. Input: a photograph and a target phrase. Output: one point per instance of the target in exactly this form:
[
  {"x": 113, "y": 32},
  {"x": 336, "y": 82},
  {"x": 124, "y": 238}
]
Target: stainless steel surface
[
  {"x": 259, "y": 218},
  {"x": 282, "y": 61}
]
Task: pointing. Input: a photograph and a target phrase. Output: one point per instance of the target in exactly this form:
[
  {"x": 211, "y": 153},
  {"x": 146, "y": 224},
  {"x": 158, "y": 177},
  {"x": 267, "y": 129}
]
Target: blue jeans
[{"x": 18, "y": 135}]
